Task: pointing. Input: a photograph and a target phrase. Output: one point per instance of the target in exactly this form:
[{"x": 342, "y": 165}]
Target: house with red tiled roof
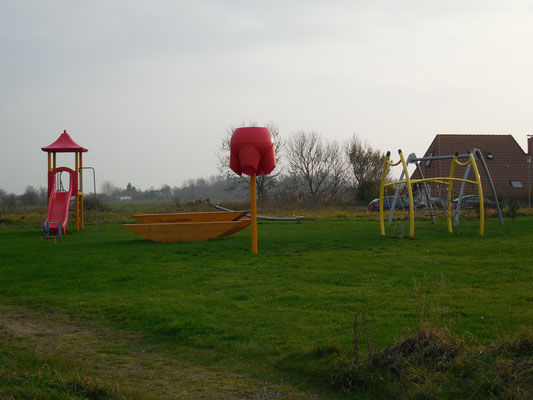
[{"x": 505, "y": 159}]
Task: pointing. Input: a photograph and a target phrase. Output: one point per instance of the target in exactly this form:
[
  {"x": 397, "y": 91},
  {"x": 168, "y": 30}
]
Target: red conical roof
[{"x": 64, "y": 144}]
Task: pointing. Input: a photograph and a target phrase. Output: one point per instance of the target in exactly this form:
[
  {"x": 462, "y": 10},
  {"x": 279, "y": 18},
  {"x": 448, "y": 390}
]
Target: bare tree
[
  {"x": 319, "y": 167},
  {"x": 338, "y": 171},
  {"x": 166, "y": 190},
  {"x": 43, "y": 195},
  {"x": 30, "y": 197},
  {"x": 265, "y": 183},
  {"x": 366, "y": 166},
  {"x": 8, "y": 202},
  {"x": 108, "y": 188}
]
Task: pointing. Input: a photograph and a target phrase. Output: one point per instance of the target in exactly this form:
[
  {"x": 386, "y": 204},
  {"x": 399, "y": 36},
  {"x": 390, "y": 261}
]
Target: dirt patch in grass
[{"x": 121, "y": 360}]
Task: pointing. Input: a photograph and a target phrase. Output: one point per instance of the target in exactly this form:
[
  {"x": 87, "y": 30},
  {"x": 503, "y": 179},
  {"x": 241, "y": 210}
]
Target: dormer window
[
  {"x": 428, "y": 162},
  {"x": 489, "y": 155}
]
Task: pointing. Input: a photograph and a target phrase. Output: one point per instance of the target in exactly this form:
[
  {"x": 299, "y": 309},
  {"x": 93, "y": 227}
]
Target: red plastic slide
[{"x": 58, "y": 203}]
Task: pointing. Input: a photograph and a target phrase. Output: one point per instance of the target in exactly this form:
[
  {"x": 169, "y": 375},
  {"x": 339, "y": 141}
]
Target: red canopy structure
[{"x": 64, "y": 144}]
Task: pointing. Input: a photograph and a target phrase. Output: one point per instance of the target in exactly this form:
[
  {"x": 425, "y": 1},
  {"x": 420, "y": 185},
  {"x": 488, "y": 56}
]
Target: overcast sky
[{"x": 150, "y": 87}]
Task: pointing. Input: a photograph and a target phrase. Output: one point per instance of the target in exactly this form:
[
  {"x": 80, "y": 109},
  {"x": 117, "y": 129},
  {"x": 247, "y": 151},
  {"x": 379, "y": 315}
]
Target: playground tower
[{"x": 65, "y": 144}]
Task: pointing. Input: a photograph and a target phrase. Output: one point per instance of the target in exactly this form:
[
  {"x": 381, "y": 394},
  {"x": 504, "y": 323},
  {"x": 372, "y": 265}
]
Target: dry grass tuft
[{"x": 431, "y": 362}]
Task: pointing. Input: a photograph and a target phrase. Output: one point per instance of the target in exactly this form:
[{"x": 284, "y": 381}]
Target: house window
[
  {"x": 489, "y": 155},
  {"x": 516, "y": 184},
  {"x": 428, "y": 162}
]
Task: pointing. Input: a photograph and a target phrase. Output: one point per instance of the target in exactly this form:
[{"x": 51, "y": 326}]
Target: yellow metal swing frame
[{"x": 449, "y": 180}]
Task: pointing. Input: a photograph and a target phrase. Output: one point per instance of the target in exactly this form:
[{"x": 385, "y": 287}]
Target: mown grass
[{"x": 216, "y": 304}]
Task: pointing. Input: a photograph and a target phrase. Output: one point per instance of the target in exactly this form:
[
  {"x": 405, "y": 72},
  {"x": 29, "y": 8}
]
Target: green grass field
[{"x": 215, "y": 305}]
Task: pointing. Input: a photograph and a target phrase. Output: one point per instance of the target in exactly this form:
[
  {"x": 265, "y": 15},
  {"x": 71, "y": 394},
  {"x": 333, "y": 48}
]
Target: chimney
[{"x": 530, "y": 145}]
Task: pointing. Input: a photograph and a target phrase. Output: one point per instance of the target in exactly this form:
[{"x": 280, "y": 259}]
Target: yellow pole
[
  {"x": 382, "y": 192},
  {"x": 77, "y": 202},
  {"x": 449, "y": 198},
  {"x": 410, "y": 193},
  {"x": 480, "y": 193},
  {"x": 80, "y": 191},
  {"x": 253, "y": 205}
]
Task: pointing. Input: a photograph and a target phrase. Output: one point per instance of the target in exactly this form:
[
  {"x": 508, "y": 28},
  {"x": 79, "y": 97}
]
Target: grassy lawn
[{"x": 214, "y": 304}]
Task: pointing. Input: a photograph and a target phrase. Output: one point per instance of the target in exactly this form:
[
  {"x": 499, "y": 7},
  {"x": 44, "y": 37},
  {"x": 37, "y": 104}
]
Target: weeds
[
  {"x": 430, "y": 361},
  {"x": 325, "y": 349},
  {"x": 512, "y": 209}
]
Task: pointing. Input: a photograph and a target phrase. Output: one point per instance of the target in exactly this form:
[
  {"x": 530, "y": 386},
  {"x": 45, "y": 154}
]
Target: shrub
[{"x": 512, "y": 208}]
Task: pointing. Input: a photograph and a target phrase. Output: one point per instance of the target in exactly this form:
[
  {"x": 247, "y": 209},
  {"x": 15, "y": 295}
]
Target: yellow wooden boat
[
  {"x": 188, "y": 227},
  {"x": 187, "y": 231},
  {"x": 211, "y": 216}
]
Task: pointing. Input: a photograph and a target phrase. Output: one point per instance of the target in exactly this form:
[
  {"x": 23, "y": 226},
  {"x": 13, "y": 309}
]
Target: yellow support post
[
  {"x": 253, "y": 205},
  {"x": 480, "y": 193},
  {"x": 449, "y": 198},
  {"x": 382, "y": 192},
  {"x": 410, "y": 193}
]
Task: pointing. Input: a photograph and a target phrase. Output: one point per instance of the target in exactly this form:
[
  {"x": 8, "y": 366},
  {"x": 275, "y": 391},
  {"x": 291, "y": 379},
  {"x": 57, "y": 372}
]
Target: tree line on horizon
[{"x": 310, "y": 170}]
